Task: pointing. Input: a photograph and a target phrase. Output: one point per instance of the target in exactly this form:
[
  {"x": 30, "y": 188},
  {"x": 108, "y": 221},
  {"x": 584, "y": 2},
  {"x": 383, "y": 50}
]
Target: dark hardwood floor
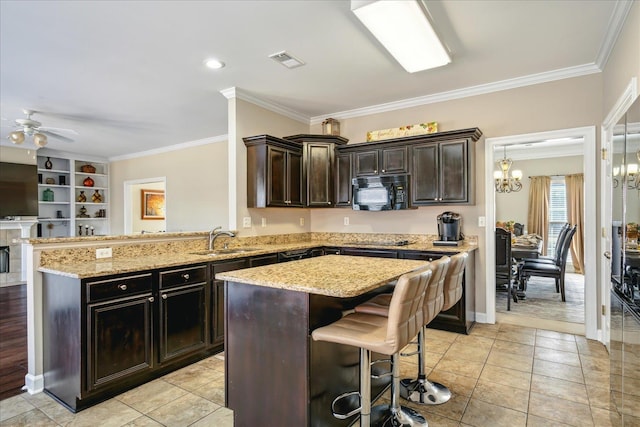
[{"x": 13, "y": 339}]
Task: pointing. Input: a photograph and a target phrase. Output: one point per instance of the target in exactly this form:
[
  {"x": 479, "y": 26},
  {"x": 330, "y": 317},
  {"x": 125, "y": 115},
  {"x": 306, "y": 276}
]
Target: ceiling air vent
[{"x": 286, "y": 59}]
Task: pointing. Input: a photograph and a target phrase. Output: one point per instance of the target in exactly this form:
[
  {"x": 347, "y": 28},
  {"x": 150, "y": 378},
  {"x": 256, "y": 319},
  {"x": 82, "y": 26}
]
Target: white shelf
[{"x": 68, "y": 207}]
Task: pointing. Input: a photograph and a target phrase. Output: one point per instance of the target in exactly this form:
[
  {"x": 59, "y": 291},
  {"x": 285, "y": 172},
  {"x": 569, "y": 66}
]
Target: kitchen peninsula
[
  {"x": 78, "y": 301},
  {"x": 276, "y": 374}
]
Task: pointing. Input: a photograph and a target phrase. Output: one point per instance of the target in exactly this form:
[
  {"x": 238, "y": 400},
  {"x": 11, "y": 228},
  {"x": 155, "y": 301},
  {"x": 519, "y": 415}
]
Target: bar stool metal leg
[
  {"x": 421, "y": 390},
  {"x": 365, "y": 388},
  {"x": 394, "y": 415}
]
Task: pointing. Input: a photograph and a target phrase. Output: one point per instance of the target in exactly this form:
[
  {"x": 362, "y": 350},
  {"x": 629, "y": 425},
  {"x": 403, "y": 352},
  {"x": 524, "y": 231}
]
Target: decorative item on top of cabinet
[
  {"x": 96, "y": 197},
  {"x": 331, "y": 127},
  {"x": 88, "y": 168},
  {"x": 399, "y": 132},
  {"x": 274, "y": 172},
  {"x": 88, "y": 182},
  {"x": 48, "y": 164},
  {"x": 82, "y": 197},
  {"x": 318, "y": 162}
]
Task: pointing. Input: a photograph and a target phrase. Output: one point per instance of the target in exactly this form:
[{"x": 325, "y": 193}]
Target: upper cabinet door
[
  {"x": 394, "y": 161},
  {"x": 277, "y": 177},
  {"x": 366, "y": 163},
  {"x": 344, "y": 189},
  {"x": 453, "y": 171},
  {"x": 424, "y": 176},
  {"x": 319, "y": 159},
  {"x": 295, "y": 188}
]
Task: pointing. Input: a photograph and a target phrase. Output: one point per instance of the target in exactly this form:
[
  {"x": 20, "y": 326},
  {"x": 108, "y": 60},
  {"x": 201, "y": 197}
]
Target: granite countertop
[
  {"x": 340, "y": 276},
  {"x": 108, "y": 266}
]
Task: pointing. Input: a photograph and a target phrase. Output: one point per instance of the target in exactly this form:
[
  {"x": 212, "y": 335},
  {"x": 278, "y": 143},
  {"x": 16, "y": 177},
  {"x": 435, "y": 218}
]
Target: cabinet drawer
[
  {"x": 120, "y": 287},
  {"x": 183, "y": 276}
]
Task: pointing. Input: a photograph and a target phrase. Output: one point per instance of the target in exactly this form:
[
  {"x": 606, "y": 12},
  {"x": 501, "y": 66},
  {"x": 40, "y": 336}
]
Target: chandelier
[{"x": 503, "y": 182}]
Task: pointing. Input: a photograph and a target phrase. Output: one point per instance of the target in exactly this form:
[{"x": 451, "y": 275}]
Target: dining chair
[
  {"x": 557, "y": 251},
  {"x": 504, "y": 264},
  {"x": 554, "y": 270}
]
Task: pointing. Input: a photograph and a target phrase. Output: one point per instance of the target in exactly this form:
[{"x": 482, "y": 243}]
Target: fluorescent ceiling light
[{"x": 404, "y": 30}]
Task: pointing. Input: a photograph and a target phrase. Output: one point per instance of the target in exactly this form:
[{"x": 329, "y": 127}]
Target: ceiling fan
[{"x": 34, "y": 128}]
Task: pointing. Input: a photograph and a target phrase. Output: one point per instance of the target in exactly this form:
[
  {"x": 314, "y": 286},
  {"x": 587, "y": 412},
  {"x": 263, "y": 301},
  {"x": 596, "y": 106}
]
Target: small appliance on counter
[{"x": 449, "y": 230}]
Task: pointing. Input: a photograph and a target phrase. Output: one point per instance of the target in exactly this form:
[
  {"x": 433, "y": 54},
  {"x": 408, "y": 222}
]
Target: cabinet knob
[
  {"x": 383, "y": 171},
  {"x": 151, "y": 299},
  {"x": 376, "y": 171},
  {"x": 328, "y": 203},
  {"x": 607, "y": 255},
  {"x": 164, "y": 296},
  {"x": 123, "y": 287},
  {"x": 185, "y": 276}
]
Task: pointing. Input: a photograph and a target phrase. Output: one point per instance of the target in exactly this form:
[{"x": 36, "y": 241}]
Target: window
[{"x": 557, "y": 212}]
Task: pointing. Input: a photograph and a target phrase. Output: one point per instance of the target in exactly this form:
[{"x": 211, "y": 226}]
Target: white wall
[
  {"x": 196, "y": 179},
  {"x": 18, "y": 155}
]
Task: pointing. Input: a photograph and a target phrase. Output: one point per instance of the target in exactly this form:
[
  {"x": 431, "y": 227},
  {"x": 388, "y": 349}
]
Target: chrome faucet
[{"x": 215, "y": 233}]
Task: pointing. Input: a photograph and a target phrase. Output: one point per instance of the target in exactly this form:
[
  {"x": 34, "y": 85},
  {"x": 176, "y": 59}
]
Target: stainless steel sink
[{"x": 225, "y": 251}]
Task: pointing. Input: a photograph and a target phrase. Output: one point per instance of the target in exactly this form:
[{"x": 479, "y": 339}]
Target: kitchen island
[{"x": 275, "y": 373}]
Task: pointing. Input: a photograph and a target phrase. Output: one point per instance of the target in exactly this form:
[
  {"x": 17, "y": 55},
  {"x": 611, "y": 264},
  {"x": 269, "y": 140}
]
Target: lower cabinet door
[
  {"x": 121, "y": 340},
  {"x": 182, "y": 321}
]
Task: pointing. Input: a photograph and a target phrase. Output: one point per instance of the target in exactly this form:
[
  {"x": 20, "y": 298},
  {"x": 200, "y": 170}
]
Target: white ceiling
[{"x": 128, "y": 76}]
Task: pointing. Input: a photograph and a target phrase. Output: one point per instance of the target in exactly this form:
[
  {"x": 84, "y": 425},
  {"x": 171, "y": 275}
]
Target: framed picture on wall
[{"x": 152, "y": 204}]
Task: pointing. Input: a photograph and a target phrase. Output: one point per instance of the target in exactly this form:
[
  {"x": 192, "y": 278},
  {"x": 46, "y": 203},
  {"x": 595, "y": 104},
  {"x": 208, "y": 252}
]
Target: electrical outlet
[
  {"x": 103, "y": 253},
  {"x": 481, "y": 221},
  {"x": 264, "y": 222},
  {"x": 301, "y": 222},
  {"x": 346, "y": 220},
  {"x": 246, "y": 222}
]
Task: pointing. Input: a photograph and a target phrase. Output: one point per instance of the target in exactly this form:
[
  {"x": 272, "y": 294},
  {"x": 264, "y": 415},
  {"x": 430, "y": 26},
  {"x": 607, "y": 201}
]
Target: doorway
[
  {"x": 135, "y": 222},
  {"x": 587, "y": 134}
]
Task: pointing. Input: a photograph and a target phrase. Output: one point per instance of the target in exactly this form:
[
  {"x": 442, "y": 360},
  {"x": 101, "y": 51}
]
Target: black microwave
[{"x": 381, "y": 193}]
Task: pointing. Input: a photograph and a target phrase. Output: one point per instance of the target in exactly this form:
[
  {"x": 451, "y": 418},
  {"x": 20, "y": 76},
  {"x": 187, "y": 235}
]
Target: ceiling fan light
[
  {"x": 40, "y": 140},
  {"x": 17, "y": 137}
]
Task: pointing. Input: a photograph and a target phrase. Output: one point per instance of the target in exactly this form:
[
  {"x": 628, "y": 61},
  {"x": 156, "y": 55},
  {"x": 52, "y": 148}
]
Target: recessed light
[{"x": 214, "y": 64}]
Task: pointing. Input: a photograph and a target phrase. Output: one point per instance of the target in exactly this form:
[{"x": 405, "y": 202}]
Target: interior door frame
[
  {"x": 128, "y": 218},
  {"x": 588, "y": 135},
  {"x": 617, "y": 111}
]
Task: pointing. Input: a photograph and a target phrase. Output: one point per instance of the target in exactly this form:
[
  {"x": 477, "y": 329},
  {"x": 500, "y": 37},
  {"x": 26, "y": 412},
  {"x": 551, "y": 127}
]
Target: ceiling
[{"x": 129, "y": 76}]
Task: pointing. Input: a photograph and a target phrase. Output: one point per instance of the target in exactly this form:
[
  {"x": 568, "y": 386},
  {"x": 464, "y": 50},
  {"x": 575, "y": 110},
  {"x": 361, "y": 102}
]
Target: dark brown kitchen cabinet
[
  {"x": 183, "y": 312},
  {"x": 344, "y": 189},
  {"x": 274, "y": 172},
  {"x": 386, "y": 161},
  {"x": 217, "y": 300},
  {"x": 98, "y": 336},
  {"x": 120, "y": 336},
  {"x": 461, "y": 317},
  {"x": 319, "y": 164},
  {"x": 442, "y": 173}
]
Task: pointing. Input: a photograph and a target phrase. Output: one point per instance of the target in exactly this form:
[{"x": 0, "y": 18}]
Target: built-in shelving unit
[{"x": 72, "y": 201}]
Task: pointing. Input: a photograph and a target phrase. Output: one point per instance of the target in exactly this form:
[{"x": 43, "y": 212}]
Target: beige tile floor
[{"x": 500, "y": 375}]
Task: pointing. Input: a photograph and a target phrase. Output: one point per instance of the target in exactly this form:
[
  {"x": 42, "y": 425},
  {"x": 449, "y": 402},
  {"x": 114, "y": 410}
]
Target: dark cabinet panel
[
  {"x": 217, "y": 300},
  {"x": 344, "y": 189},
  {"x": 183, "y": 325},
  {"x": 441, "y": 173},
  {"x": 257, "y": 261},
  {"x": 385, "y": 161},
  {"x": 318, "y": 162},
  {"x": 274, "y": 172},
  {"x": 120, "y": 340}
]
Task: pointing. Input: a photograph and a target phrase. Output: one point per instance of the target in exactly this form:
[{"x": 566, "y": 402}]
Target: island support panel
[{"x": 275, "y": 373}]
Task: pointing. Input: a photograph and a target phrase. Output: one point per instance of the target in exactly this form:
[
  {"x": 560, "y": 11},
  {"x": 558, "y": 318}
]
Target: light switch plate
[
  {"x": 346, "y": 220},
  {"x": 301, "y": 222},
  {"x": 481, "y": 221},
  {"x": 103, "y": 253}
]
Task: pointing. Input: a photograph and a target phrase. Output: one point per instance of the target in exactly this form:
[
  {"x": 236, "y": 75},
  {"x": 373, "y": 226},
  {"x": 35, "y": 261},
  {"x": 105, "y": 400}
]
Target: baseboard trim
[{"x": 34, "y": 383}]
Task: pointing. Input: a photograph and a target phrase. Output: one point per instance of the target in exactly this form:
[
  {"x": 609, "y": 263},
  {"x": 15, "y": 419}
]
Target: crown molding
[
  {"x": 234, "y": 92},
  {"x": 615, "y": 25},
  {"x": 532, "y": 79},
  {"x": 176, "y": 147}
]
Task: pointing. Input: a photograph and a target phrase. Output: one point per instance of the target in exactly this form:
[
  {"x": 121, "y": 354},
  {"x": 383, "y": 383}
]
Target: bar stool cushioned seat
[{"x": 386, "y": 335}]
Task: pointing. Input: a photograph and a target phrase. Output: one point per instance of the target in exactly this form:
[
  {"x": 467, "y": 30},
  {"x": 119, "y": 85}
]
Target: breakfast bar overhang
[{"x": 276, "y": 374}]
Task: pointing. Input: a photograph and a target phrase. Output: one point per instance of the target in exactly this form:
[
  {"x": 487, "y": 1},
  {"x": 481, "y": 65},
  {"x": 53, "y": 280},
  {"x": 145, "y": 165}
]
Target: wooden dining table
[{"x": 520, "y": 252}]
